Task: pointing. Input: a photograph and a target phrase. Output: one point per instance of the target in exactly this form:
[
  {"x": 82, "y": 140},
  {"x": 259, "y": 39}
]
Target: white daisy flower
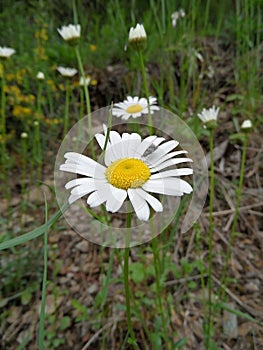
[
  {"x": 6, "y": 52},
  {"x": 134, "y": 107},
  {"x": 70, "y": 32},
  {"x": 67, "y": 72},
  {"x": 40, "y": 76},
  {"x": 137, "y": 33},
  {"x": 246, "y": 124},
  {"x": 133, "y": 168},
  {"x": 208, "y": 115}
]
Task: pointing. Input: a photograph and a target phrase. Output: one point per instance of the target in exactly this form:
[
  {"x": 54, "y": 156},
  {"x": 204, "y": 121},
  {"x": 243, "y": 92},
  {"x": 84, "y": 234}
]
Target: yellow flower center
[
  {"x": 134, "y": 109},
  {"x": 127, "y": 173}
]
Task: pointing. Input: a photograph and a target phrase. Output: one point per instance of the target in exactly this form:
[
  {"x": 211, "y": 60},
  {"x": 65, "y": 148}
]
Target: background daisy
[{"x": 134, "y": 107}]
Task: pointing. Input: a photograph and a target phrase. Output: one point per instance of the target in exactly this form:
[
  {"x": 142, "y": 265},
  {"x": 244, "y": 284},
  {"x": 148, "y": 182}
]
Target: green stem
[
  {"x": 156, "y": 258},
  {"x": 126, "y": 282},
  {"x": 234, "y": 223},
  {"x": 201, "y": 269},
  {"x": 44, "y": 291},
  {"x": 87, "y": 99},
  {"x": 38, "y": 141},
  {"x": 210, "y": 239},
  {"x": 24, "y": 173},
  {"x": 3, "y": 157},
  {"x": 145, "y": 84},
  {"x": 66, "y": 116}
]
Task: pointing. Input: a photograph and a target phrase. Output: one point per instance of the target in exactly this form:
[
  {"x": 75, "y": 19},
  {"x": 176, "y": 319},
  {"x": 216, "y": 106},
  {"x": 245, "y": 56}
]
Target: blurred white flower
[
  {"x": 70, "y": 33},
  {"x": 84, "y": 81},
  {"x": 176, "y": 15},
  {"x": 138, "y": 33},
  {"x": 138, "y": 37},
  {"x": 40, "y": 76},
  {"x": 67, "y": 72},
  {"x": 246, "y": 124},
  {"x": 6, "y": 52},
  {"x": 24, "y": 135},
  {"x": 134, "y": 107},
  {"x": 208, "y": 115}
]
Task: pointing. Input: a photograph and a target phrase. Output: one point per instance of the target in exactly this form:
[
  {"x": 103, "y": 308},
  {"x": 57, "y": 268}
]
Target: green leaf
[
  {"x": 34, "y": 233},
  {"x": 65, "y": 323},
  {"x": 26, "y": 297},
  {"x": 137, "y": 271},
  {"x": 238, "y": 313},
  {"x": 180, "y": 343}
]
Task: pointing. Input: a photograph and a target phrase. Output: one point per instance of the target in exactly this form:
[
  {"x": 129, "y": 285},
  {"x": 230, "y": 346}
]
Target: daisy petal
[
  {"x": 170, "y": 162},
  {"x": 161, "y": 151},
  {"x": 139, "y": 204},
  {"x": 166, "y": 157},
  {"x": 116, "y": 199},
  {"x": 145, "y": 144},
  {"x": 154, "y": 202},
  {"x": 84, "y": 170},
  {"x": 98, "y": 197},
  {"x": 79, "y": 192},
  {"x": 101, "y": 140},
  {"x": 173, "y": 172},
  {"x": 85, "y": 182},
  {"x": 169, "y": 186},
  {"x": 73, "y": 158}
]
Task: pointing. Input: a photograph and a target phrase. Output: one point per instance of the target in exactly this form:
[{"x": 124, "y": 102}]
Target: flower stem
[
  {"x": 66, "y": 116},
  {"x": 126, "y": 282},
  {"x": 37, "y": 131},
  {"x": 234, "y": 223},
  {"x": 201, "y": 268},
  {"x": 210, "y": 240},
  {"x": 3, "y": 159},
  {"x": 41, "y": 334},
  {"x": 145, "y": 84},
  {"x": 87, "y": 99},
  {"x": 24, "y": 173},
  {"x": 156, "y": 258},
  {"x": 3, "y": 103}
]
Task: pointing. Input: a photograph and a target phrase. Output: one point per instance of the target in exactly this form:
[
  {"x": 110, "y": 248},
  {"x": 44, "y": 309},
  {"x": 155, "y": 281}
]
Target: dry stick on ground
[
  {"x": 231, "y": 211},
  {"x": 250, "y": 310},
  {"x": 96, "y": 335}
]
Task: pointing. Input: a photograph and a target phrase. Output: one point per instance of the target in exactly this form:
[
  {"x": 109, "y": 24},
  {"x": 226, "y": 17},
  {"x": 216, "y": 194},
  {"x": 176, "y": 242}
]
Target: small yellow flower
[
  {"x": 52, "y": 85},
  {"x": 93, "y": 47}
]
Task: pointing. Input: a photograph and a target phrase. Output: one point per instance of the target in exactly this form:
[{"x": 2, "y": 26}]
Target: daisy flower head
[
  {"x": 133, "y": 169},
  {"x": 138, "y": 37},
  {"x": 246, "y": 125},
  {"x": 209, "y": 117},
  {"x": 134, "y": 107},
  {"x": 70, "y": 33},
  {"x": 6, "y": 52},
  {"x": 67, "y": 72}
]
